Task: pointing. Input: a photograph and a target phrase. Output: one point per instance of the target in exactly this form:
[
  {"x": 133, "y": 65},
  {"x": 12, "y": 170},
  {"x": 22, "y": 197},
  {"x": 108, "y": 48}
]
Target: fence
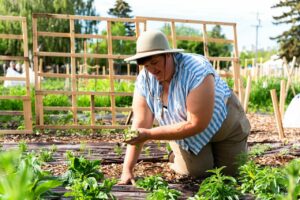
[
  {"x": 24, "y": 98},
  {"x": 79, "y": 77}
]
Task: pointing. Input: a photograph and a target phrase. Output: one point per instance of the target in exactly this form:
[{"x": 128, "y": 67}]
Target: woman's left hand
[{"x": 143, "y": 136}]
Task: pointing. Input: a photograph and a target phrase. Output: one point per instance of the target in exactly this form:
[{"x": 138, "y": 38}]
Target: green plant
[
  {"x": 152, "y": 183},
  {"x": 264, "y": 182},
  {"x": 147, "y": 151},
  {"x": 130, "y": 134},
  {"x": 217, "y": 187},
  {"x": 81, "y": 168},
  {"x": 46, "y": 155},
  {"x": 22, "y": 177},
  {"x": 164, "y": 193},
  {"x": 23, "y": 147},
  {"x": 247, "y": 177},
  {"x": 292, "y": 170},
  {"x": 118, "y": 149},
  {"x": 259, "y": 149},
  {"x": 88, "y": 188},
  {"x": 158, "y": 187}
]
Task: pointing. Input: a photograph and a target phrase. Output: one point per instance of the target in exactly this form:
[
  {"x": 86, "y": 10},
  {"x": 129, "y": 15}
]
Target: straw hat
[{"x": 152, "y": 43}]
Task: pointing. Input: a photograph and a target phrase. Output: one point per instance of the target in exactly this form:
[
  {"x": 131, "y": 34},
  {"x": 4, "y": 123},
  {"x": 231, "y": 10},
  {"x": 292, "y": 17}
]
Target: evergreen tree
[
  {"x": 122, "y": 10},
  {"x": 289, "y": 40}
]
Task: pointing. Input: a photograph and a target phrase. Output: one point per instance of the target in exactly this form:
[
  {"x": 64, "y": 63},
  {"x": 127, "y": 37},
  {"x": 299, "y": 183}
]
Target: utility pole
[{"x": 257, "y": 26}]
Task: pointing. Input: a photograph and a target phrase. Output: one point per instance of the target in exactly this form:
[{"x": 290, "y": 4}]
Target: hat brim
[{"x": 152, "y": 53}]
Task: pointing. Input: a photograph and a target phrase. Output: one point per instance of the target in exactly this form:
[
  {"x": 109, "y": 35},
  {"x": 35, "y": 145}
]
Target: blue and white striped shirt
[{"x": 190, "y": 71}]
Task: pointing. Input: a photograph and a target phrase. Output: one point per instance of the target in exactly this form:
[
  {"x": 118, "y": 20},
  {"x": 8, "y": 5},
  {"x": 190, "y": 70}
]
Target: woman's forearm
[{"x": 132, "y": 154}]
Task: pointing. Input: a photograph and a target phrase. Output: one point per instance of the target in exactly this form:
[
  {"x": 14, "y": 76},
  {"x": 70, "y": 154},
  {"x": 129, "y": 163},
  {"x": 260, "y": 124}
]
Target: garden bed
[{"x": 107, "y": 147}]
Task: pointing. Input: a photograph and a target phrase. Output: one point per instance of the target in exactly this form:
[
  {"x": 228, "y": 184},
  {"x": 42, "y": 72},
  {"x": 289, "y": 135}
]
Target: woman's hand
[
  {"x": 127, "y": 177},
  {"x": 143, "y": 136}
]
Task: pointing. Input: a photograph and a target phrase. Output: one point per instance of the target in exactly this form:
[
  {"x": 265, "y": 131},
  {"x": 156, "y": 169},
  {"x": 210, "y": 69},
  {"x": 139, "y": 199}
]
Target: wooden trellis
[
  {"x": 24, "y": 98},
  {"x": 74, "y": 77}
]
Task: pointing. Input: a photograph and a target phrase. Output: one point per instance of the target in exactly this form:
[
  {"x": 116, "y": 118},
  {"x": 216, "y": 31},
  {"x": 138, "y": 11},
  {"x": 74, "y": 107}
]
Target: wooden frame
[
  {"x": 74, "y": 77},
  {"x": 111, "y": 57},
  {"x": 25, "y": 98}
]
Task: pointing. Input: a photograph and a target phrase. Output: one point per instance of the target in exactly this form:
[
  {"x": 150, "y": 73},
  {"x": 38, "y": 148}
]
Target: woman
[{"x": 195, "y": 109}]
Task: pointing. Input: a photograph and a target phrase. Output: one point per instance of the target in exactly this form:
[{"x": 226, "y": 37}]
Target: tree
[
  {"x": 25, "y": 8},
  {"x": 289, "y": 41},
  {"x": 215, "y": 49},
  {"x": 122, "y": 9}
]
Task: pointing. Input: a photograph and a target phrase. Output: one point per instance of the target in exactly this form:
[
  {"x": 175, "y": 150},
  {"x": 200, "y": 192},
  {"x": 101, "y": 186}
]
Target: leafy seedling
[
  {"x": 217, "y": 186},
  {"x": 118, "y": 149},
  {"x": 130, "y": 134},
  {"x": 23, "y": 146}
]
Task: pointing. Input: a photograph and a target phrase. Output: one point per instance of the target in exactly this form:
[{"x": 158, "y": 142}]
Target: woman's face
[{"x": 156, "y": 66}]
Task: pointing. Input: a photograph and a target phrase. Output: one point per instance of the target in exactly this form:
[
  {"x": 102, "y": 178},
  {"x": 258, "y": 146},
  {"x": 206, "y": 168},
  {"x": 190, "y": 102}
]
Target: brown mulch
[{"x": 263, "y": 131}]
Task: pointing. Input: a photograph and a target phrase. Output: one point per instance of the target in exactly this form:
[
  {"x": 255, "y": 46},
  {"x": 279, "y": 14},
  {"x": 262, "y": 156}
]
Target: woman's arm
[
  {"x": 142, "y": 118},
  {"x": 200, "y": 105}
]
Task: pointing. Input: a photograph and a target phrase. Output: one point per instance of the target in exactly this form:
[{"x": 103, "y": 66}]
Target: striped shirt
[{"x": 190, "y": 71}]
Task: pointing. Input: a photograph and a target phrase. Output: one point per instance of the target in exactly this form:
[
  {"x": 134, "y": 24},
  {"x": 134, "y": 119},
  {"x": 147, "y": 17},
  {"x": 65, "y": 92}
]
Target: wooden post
[
  {"x": 103, "y": 70},
  {"x": 111, "y": 73},
  {"x": 289, "y": 73},
  {"x": 26, "y": 102},
  {"x": 128, "y": 69},
  {"x": 35, "y": 67},
  {"x": 241, "y": 90},
  {"x": 247, "y": 96},
  {"x": 277, "y": 114},
  {"x": 73, "y": 71},
  {"x": 92, "y": 109},
  {"x": 236, "y": 65},
  {"x": 206, "y": 52},
  {"x": 282, "y": 98},
  {"x": 27, "y": 114},
  {"x": 173, "y": 33}
]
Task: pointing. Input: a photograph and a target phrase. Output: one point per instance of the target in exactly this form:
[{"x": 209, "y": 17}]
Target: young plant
[
  {"x": 89, "y": 188},
  {"x": 130, "y": 134},
  {"x": 22, "y": 177},
  {"x": 293, "y": 183},
  {"x": 46, "y": 155},
  {"x": 164, "y": 194},
  {"x": 81, "y": 168},
  {"x": 152, "y": 183},
  {"x": 248, "y": 177},
  {"x": 259, "y": 149},
  {"x": 118, "y": 149},
  {"x": 217, "y": 187},
  {"x": 147, "y": 151},
  {"x": 82, "y": 147},
  {"x": 265, "y": 183},
  {"x": 23, "y": 146},
  {"x": 158, "y": 187},
  {"x": 270, "y": 183}
]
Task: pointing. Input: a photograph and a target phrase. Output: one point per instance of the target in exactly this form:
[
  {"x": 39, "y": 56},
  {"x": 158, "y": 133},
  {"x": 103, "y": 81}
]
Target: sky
[{"x": 242, "y": 12}]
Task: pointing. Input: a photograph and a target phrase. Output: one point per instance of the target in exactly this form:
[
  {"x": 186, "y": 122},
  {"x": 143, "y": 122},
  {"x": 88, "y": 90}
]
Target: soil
[{"x": 263, "y": 131}]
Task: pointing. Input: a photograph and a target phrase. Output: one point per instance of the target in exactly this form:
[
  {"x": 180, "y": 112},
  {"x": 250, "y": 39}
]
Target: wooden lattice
[
  {"x": 74, "y": 77},
  {"x": 24, "y": 98}
]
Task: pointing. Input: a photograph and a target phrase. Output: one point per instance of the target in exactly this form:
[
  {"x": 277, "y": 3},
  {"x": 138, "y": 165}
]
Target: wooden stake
[
  {"x": 277, "y": 114},
  {"x": 282, "y": 98},
  {"x": 92, "y": 108},
  {"x": 247, "y": 96},
  {"x": 111, "y": 73}
]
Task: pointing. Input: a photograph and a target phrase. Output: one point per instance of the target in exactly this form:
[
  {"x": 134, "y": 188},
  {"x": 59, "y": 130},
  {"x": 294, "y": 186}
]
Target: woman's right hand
[{"x": 127, "y": 177}]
